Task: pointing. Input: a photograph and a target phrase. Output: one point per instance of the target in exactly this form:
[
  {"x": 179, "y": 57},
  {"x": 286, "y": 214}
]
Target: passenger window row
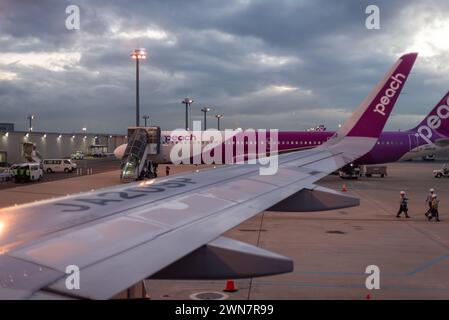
[
  {"x": 253, "y": 142},
  {"x": 395, "y": 143},
  {"x": 52, "y": 161}
]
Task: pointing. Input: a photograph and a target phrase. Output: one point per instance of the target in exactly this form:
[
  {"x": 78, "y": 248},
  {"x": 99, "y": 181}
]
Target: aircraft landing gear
[
  {"x": 152, "y": 170},
  {"x": 149, "y": 171}
]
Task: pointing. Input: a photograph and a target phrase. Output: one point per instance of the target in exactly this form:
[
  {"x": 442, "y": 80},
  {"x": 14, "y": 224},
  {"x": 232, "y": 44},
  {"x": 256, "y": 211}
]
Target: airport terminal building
[{"x": 54, "y": 144}]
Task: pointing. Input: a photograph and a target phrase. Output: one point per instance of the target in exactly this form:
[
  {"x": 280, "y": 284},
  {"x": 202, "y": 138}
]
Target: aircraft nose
[{"x": 120, "y": 151}]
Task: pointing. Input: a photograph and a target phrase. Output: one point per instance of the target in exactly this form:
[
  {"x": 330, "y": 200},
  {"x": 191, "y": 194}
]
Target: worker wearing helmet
[
  {"x": 434, "y": 210},
  {"x": 429, "y": 202},
  {"x": 403, "y": 205}
]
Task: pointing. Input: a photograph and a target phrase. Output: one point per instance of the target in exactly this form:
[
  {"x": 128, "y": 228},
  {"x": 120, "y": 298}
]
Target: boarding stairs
[{"x": 143, "y": 142}]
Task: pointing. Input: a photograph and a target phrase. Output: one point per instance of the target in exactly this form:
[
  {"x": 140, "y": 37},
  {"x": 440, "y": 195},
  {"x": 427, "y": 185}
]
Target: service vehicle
[
  {"x": 58, "y": 165},
  {"x": 27, "y": 172}
]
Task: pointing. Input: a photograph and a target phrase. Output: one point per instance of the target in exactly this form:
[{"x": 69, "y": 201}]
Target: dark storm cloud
[{"x": 279, "y": 64}]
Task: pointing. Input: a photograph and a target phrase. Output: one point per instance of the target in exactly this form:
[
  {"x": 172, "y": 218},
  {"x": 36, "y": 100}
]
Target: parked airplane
[
  {"x": 170, "y": 228},
  {"x": 429, "y": 137}
]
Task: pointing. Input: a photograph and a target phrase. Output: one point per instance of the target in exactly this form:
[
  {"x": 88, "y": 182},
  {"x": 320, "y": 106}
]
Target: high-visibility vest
[{"x": 435, "y": 203}]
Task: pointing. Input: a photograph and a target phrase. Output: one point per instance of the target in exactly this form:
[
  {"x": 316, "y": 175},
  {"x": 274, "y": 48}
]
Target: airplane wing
[{"x": 170, "y": 228}]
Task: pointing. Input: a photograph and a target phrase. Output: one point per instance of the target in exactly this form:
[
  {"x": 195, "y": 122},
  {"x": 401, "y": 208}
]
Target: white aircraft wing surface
[{"x": 171, "y": 227}]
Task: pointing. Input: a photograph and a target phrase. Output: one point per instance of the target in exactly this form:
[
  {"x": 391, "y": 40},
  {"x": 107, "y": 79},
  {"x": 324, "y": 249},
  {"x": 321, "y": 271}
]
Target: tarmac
[
  {"x": 84, "y": 167},
  {"x": 331, "y": 250}
]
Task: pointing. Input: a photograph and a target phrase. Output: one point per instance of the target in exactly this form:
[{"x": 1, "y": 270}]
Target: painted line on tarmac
[
  {"x": 341, "y": 286},
  {"x": 336, "y": 273},
  {"x": 428, "y": 265},
  {"x": 413, "y": 272}
]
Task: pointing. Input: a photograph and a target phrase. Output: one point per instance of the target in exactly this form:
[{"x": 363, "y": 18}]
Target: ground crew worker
[
  {"x": 155, "y": 170},
  {"x": 403, "y": 205},
  {"x": 151, "y": 171},
  {"x": 21, "y": 174},
  {"x": 15, "y": 174},
  {"x": 429, "y": 202},
  {"x": 27, "y": 174},
  {"x": 167, "y": 170},
  {"x": 434, "y": 212},
  {"x": 144, "y": 173}
]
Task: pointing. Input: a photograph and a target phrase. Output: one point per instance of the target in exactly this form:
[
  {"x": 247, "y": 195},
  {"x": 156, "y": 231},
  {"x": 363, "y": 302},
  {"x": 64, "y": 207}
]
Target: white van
[
  {"x": 58, "y": 165},
  {"x": 23, "y": 172}
]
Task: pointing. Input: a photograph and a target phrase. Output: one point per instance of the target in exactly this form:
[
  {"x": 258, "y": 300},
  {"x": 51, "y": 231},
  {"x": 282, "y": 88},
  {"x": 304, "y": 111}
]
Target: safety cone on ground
[
  {"x": 368, "y": 297},
  {"x": 230, "y": 286},
  {"x": 343, "y": 188}
]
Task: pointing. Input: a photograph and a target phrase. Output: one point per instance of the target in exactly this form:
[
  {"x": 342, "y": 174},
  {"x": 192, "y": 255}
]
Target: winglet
[{"x": 370, "y": 117}]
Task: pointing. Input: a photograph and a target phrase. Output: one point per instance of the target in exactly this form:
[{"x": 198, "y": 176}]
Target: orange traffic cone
[
  {"x": 230, "y": 286},
  {"x": 343, "y": 187}
]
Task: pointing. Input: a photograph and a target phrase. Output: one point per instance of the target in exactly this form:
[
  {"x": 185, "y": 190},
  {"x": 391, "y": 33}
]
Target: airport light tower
[
  {"x": 138, "y": 55},
  {"x": 187, "y": 102},
  {"x": 205, "y": 110},
  {"x": 31, "y": 118},
  {"x": 145, "y": 117},
  {"x": 218, "y": 116}
]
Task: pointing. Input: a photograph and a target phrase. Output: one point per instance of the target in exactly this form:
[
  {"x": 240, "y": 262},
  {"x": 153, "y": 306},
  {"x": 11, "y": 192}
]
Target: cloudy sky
[{"x": 286, "y": 64}]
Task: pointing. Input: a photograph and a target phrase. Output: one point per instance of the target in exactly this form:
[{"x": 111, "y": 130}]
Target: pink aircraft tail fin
[
  {"x": 370, "y": 117},
  {"x": 436, "y": 121}
]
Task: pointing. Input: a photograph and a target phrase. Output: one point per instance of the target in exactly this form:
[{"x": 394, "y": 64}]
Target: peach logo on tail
[
  {"x": 389, "y": 93},
  {"x": 434, "y": 122}
]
